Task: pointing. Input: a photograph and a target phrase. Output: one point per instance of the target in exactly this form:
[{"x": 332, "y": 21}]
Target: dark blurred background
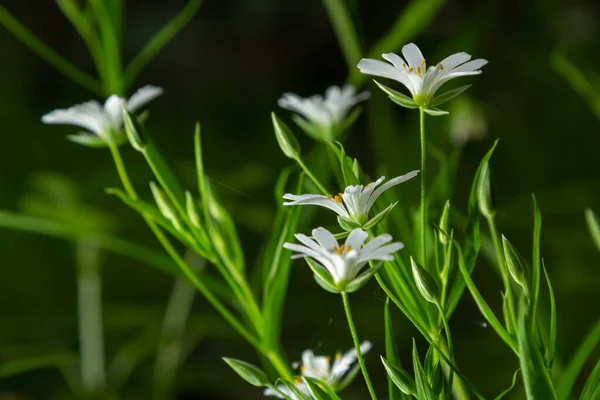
[{"x": 226, "y": 70}]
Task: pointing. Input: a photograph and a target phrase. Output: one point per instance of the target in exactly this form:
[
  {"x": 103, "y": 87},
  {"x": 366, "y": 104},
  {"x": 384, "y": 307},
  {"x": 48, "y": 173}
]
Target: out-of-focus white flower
[
  {"x": 333, "y": 373},
  {"x": 324, "y": 117},
  {"x": 337, "y": 268},
  {"x": 422, "y": 82},
  {"x": 102, "y": 122},
  {"x": 353, "y": 205}
]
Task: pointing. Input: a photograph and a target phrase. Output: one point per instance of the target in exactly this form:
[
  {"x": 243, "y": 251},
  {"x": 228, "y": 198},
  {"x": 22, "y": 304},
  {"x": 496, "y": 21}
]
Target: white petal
[
  {"x": 305, "y": 251},
  {"x": 395, "y": 59},
  {"x": 383, "y": 69},
  {"x": 392, "y": 182},
  {"x": 470, "y": 66},
  {"x": 325, "y": 239},
  {"x": 308, "y": 242},
  {"x": 89, "y": 115},
  {"x": 113, "y": 106},
  {"x": 284, "y": 389},
  {"x": 316, "y": 200},
  {"x": 142, "y": 97},
  {"x": 356, "y": 238},
  {"x": 383, "y": 253},
  {"x": 413, "y": 55},
  {"x": 343, "y": 364},
  {"x": 375, "y": 243},
  {"x": 454, "y": 60}
]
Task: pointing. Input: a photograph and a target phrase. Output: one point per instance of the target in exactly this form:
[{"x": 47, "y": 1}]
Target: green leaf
[
  {"x": 397, "y": 97},
  {"x": 349, "y": 167},
  {"x": 285, "y": 137},
  {"x": 299, "y": 395},
  {"x": 383, "y": 214},
  {"x": 447, "y": 96},
  {"x": 427, "y": 286},
  {"x": 537, "y": 380},
  {"x": 160, "y": 39},
  {"x": 435, "y": 112},
  {"x": 391, "y": 351},
  {"x": 512, "y": 385},
  {"x": 473, "y": 241},
  {"x": 347, "y": 224},
  {"x": 484, "y": 308},
  {"x": 591, "y": 390},
  {"x": 536, "y": 259},
  {"x": 573, "y": 368},
  {"x": 314, "y": 387},
  {"x": 400, "y": 378},
  {"x": 593, "y": 226},
  {"x": 250, "y": 373},
  {"x": 424, "y": 390},
  {"x": 362, "y": 279},
  {"x": 552, "y": 339}
]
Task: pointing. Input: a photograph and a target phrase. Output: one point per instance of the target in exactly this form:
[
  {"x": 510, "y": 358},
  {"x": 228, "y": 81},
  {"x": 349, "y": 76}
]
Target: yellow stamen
[
  {"x": 329, "y": 197},
  {"x": 419, "y": 70},
  {"x": 338, "y": 199},
  {"x": 411, "y": 69},
  {"x": 404, "y": 65},
  {"x": 441, "y": 67},
  {"x": 349, "y": 248},
  {"x": 423, "y": 62},
  {"x": 339, "y": 250},
  {"x": 328, "y": 358},
  {"x": 297, "y": 380},
  {"x": 302, "y": 368},
  {"x": 338, "y": 355}
]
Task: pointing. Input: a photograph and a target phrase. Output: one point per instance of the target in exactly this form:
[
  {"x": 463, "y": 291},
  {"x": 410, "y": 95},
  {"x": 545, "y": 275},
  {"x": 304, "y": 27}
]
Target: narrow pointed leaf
[
  {"x": 397, "y": 97},
  {"x": 508, "y": 389},
  {"x": 435, "y": 112},
  {"x": 449, "y": 95},
  {"x": 400, "y": 378},
  {"x": 250, "y": 373}
]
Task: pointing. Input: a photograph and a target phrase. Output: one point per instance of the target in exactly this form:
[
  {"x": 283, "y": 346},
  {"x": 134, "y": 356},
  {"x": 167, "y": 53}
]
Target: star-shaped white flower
[
  {"x": 333, "y": 373},
  {"x": 353, "y": 205},
  {"x": 422, "y": 82},
  {"x": 337, "y": 268},
  {"x": 324, "y": 118},
  {"x": 102, "y": 122}
]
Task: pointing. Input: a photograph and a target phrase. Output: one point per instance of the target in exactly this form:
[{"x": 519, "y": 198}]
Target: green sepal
[
  {"x": 290, "y": 385},
  {"x": 383, "y": 214},
  {"x": 310, "y": 129},
  {"x": 347, "y": 224},
  {"x": 397, "y": 97},
  {"x": 362, "y": 279},
  {"x": 314, "y": 387},
  {"x": 323, "y": 278},
  {"x": 285, "y": 137},
  {"x": 401, "y": 378},
  {"x": 446, "y": 96},
  {"x": 132, "y": 130},
  {"x": 250, "y": 373},
  {"x": 426, "y": 284},
  {"x": 88, "y": 140},
  {"x": 435, "y": 112}
]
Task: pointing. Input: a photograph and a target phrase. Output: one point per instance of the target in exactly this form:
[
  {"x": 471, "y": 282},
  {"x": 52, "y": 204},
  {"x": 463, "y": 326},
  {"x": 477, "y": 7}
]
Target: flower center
[
  {"x": 337, "y": 198},
  {"x": 343, "y": 248}
]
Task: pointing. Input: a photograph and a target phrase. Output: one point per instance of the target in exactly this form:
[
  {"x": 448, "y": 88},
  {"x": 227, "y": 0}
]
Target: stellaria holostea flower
[
  {"x": 103, "y": 122},
  {"x": 334, "y": 373},
  {"x": 422, "y": 82},
  {"x": 353, "y": 205},
  {"x": 324, "y": 117},
  {"x": 337, "y": 268}
]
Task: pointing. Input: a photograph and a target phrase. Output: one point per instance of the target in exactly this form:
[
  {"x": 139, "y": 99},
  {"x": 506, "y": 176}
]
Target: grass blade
[
  {"x": 565, "y": 385},
  {"x": 63, "y": 65},
  {"x": 341, "y": 20},
  {"x": 536, "y": 270},
  {"x": 593, "y": 226},
  {"x": 155, "y": 45},
  {"x": 591, "y": 390}
]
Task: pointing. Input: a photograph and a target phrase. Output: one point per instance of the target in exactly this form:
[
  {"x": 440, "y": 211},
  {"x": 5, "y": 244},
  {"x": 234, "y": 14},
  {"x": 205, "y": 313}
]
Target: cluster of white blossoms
[
  {"x": 331, "y": 372},
  {"x": 338, "y": 268}
]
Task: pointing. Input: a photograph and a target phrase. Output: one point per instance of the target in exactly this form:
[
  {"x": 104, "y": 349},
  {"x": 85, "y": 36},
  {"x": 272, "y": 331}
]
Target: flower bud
[
  {"x": 484, "y": 192},
  {"x": 164, "y": 205},
  {"x": 425, "y": 283},
  {"x": 514, "y": 263},
  {"x": 401, "y": 379},
  {"x": 287, "y": 141},
  {"x": 445, "y": 224}
]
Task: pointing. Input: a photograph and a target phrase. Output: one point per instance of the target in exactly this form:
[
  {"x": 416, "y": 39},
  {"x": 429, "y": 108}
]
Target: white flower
[
  {"x": 355, "y": 203},
  {"x": 102, "y": 120},
  {"x": 338, "y": 266},
  {"x": 325, "y": 115},
  {"x": 422, "y": 82},
  {"x": 331, "y": 372}
]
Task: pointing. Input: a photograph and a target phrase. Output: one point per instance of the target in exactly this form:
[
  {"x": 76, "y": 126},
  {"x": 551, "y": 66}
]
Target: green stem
[
  {"x": 423, "y": 190},
  {"x": 89, "y": 305},
  {"x": 312, "y": 176},
  {"x": 450, "y": 346},
  {"x": 361, "y": 361}
]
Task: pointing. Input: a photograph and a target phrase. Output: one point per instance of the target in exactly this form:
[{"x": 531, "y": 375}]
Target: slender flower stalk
[
  {"x": 361, "y": 361},
  {"x": 423, "y": 189}
]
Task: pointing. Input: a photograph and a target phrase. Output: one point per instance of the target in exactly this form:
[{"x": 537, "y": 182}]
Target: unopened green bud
[
  {"x": 484, "y": 193},
  {"x": 192, "y": 212},
  {"x": 164, "y": 205},
  {"x": 401, "y": 379},
  {"x": 287, "y": 141},
  {"x": 445, "y": 224},
  {"x": 514, "y": 263},
  {"x": 427, "y": 286}
]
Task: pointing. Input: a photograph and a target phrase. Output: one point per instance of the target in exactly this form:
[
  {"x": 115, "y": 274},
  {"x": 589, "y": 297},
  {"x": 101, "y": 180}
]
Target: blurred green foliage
[{"x": 227, "y": 69}]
